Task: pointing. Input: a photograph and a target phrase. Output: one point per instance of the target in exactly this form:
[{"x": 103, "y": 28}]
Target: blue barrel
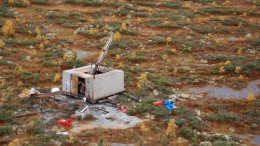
[{"x": 169, "y": 104}]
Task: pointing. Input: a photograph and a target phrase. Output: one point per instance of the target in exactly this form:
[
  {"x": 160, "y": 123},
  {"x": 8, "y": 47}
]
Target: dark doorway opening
[{"x": 81, "y": 86}]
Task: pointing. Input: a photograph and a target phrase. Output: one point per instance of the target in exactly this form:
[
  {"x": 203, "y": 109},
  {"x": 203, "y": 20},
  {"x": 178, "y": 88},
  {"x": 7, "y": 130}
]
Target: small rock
[
  {"x": 193, "y": 98},
  {"x": 149, "y": 116},
  {"x": 173, "y": 96},
  {"x": 197, "y": 112},
  {"x": 1, "y": 57},
  {"x": 203, "y": 61},
  {"x": 205, "y": 143},
  {"x": 231, "y": 129},
  {"x": 31, "y": 46},
  {"x": 183, "y": 95},
  {"x": 155, "y": 92},
  {"x": 27, "y": 58},
  {"x": 199, "y": 96},
  {"x": 252, "y": 51},
  {"x": 248, "y": 35}
]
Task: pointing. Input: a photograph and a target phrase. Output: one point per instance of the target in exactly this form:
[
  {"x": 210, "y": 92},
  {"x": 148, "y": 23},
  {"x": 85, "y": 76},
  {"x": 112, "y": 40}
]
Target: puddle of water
[
  {"x": 256, "y": 139},
  {"x": 83, "y": 54},
  {"x": 227, "y": 92}
]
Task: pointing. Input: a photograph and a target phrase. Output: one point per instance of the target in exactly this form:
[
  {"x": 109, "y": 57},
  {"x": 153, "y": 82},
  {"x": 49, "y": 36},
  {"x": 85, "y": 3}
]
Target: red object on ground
[
  {"x": 66, "y": 123},
  {"x": 123, "y": 108},
  {"x": 73, "y": 116},
  {"x": 158, "y": 103}
]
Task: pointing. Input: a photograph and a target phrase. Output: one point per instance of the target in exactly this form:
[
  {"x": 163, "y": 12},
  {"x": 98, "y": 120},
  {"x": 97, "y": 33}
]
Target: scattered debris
[
  {"x": 82, "y": 113},
  {"x": 169, "y": 104},
  {"x": 123, "y": 108},
  {"x": 62, "y": 133},
  {"x": 65, "y": 123},
  {"x": 53, "y": 90},
  {"x": 27, "y": 93},
  {"x": 158, "y": 103}
]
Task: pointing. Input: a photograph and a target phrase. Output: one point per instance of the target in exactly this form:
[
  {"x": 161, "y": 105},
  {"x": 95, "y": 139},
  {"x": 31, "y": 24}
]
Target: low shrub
[
  {"x": 224, "y": 115},
  {"x": 29, "y": 76},
  {"x": 5, "y": 116},
  {"x": 188, "y": 133},
  {"x": 5, "y": 130},
  {"x": 16, "y": 3},
  {"x": 40, "y": 2},
  {"x": 74, "y": 63},
  {"x": 223, "y": 143},
  {"x": 6, "y": 12}
]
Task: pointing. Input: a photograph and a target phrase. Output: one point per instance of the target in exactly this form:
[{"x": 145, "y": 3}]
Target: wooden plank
[{"x": 74, "y": 86}]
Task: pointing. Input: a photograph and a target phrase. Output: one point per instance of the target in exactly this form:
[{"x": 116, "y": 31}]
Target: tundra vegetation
[{"x": 163, "y": 46}]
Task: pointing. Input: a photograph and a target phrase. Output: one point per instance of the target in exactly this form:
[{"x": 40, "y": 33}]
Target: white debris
[
  {"x": 53, "y": 90},
  {"x": 155, "y": 92},
  {"x": 183, "y": 95},
  {"x": 62, "y": 133}
]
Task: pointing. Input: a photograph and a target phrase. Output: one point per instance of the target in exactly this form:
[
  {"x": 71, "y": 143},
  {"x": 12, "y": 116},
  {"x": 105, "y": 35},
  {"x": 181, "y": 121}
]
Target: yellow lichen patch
[
  {"x": 168, "y": 40},
  {"x": 123, "y": 26},
  {"x": 171, "y": 128},
  {"x": 117, "y": 36},
  {"x": 26, "y": 2},
  {"x": 221, "y": 69},
  {"x": 2, "y": 43},
  {"x": 251, "y": 96},
  {"x": 118, "y": 56},
  {"x": 188, "y": 20},
  {"x": 18, "y": 67},
  {"x": 181, "y": 141},
  {"x": 57, "y": 77},
  {"x": 41, "y": 46},
  {"x": 10, "y": 1},
  {"x": 2, "y": 82},
  {"x": 143, "y": 78},
  {"x": 174, "y": 50},
  {"x": 227, "y": 63},
  {"x": 133, "y": 55},
  {"x": 220, "y": 78},
  {"x": 120, "y": 64},
  {"x": 142, "y": 81},
  {"x": 238, "y": 69},
  {"x": 226, "y": 3},
  {"x": 8, "y": 28},
  {"x": 241, "y": 78},
  {"x": 239, "y": 51},
  {"x": 186, "y": 5},
  {"x": 144, "y": 128},
  {"x": 139, "y": 86},
  {"x": 15, "y": 142}
]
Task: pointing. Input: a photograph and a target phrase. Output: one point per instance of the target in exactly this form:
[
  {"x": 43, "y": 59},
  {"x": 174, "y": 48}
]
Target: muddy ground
[{"x": 203, "y": 54}]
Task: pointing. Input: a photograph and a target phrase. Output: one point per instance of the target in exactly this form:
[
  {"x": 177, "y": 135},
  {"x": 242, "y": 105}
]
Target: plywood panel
[{"x": 74, "y": 85}]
